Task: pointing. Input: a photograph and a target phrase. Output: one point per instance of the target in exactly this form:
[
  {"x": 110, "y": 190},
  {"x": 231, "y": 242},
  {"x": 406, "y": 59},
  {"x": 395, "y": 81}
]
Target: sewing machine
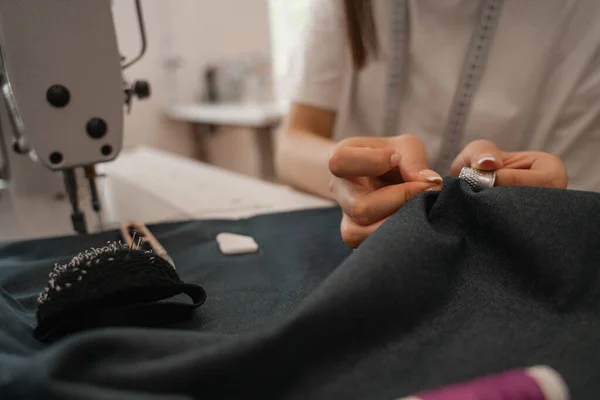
[
  {"x": 62, "y": 107},
  {"x": 63, "y": 97}
]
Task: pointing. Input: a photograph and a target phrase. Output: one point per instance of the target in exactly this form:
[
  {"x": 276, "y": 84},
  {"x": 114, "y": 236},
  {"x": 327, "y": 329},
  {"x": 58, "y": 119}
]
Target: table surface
[
  {"x": 247, "y": 115},
  {"x": 150, "y": 186}
]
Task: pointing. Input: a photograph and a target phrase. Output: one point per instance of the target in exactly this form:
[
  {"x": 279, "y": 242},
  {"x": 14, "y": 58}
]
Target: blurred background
[{"x": 217, "y": 70}]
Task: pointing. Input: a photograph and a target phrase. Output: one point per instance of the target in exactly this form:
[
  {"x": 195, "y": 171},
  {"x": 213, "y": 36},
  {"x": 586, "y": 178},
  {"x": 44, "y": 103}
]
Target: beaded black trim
[{"x": 64, "y": 276}]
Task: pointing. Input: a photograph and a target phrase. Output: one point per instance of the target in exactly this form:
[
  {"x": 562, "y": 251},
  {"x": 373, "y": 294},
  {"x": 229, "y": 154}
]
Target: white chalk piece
[{"x": 231, "y": 243}]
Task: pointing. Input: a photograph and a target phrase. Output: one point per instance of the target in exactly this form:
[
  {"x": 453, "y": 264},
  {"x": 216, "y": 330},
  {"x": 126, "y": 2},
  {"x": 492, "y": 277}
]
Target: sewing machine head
[{"x": 62, "y": 83}]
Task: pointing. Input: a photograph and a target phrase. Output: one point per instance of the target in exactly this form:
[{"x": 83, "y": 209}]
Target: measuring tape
[{"x": 472, "y": 72}]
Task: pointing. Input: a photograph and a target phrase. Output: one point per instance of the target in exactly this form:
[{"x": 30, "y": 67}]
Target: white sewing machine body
[
  {"x": 63, "y": 97},
  {"x": 65, "y": 83},
  {"x": 62, "y": 107}
]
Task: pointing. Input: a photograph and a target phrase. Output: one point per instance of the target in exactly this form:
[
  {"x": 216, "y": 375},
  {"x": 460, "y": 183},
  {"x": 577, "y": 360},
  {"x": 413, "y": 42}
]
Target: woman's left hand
[{"x": 526, "y": 168}]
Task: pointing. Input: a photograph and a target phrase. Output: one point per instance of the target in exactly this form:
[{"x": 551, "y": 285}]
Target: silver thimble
[{"x": 478, "y": 179}]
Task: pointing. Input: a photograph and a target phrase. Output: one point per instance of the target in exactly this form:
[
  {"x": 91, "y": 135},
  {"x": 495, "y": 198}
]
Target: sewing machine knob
[
  {"x": 58, "y": 96},
  {"x": 96, "y": 128},
  {"x": 142, "y": 89}
]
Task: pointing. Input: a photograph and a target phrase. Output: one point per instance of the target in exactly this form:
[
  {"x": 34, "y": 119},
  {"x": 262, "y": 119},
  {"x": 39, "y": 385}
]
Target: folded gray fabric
[{"x": 456, "y": 285}]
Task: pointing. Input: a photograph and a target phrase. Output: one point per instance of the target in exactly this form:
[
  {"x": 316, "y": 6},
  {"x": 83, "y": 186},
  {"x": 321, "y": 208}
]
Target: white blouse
[{"x": 539, "y": 89}]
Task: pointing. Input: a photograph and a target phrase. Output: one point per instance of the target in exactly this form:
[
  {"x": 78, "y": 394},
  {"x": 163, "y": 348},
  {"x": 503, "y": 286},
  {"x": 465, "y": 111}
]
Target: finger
[
  {"x": 372, "y": 207},
  {"x": 346, "y": 193},
  {"x": 413, "y": 160},
  {"x": 480, "y": 154},
  {"x": 348, "y": 161},
  {"x": 366, "y": 141},
  {"x": 524, "y": 177},
  {"x": 546, "y": 170},
  {"x": 519, "y": 160},
  {"x": 354, "y": 234}
]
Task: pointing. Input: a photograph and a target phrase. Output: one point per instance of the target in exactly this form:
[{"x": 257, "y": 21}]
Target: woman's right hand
[{"x": 374, "y": 177}]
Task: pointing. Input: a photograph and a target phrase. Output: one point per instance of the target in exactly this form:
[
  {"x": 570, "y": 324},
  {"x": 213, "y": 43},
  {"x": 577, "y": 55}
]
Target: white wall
[{"x": 196, "y": 32}]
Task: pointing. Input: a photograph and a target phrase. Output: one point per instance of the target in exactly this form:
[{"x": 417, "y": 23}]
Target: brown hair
[{"x": 362, "y": 34}]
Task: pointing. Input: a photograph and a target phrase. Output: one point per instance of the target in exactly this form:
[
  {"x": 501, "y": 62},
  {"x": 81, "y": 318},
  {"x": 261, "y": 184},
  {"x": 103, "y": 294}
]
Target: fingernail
[
  {"x": 431, "y": 176},
  {"x": 395, "y": 159},
  {"x": 436, "y": 188},
  {"x": 486, "y": 158},
  {"x": 331, "y": 154}
]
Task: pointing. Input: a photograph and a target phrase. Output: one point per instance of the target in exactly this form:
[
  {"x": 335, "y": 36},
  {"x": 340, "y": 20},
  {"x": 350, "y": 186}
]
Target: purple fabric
[{"x": 511, "y": 385}]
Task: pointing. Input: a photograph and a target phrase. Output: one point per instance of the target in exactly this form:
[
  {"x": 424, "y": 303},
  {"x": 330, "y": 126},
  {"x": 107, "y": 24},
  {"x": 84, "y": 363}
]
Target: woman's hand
[
  {"x": 374, "y": 177},
  {"x": 527, "y": 168}
]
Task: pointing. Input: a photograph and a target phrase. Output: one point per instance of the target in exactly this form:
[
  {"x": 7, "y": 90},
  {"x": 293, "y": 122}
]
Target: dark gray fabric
[{"x": 455, "y": 285}]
